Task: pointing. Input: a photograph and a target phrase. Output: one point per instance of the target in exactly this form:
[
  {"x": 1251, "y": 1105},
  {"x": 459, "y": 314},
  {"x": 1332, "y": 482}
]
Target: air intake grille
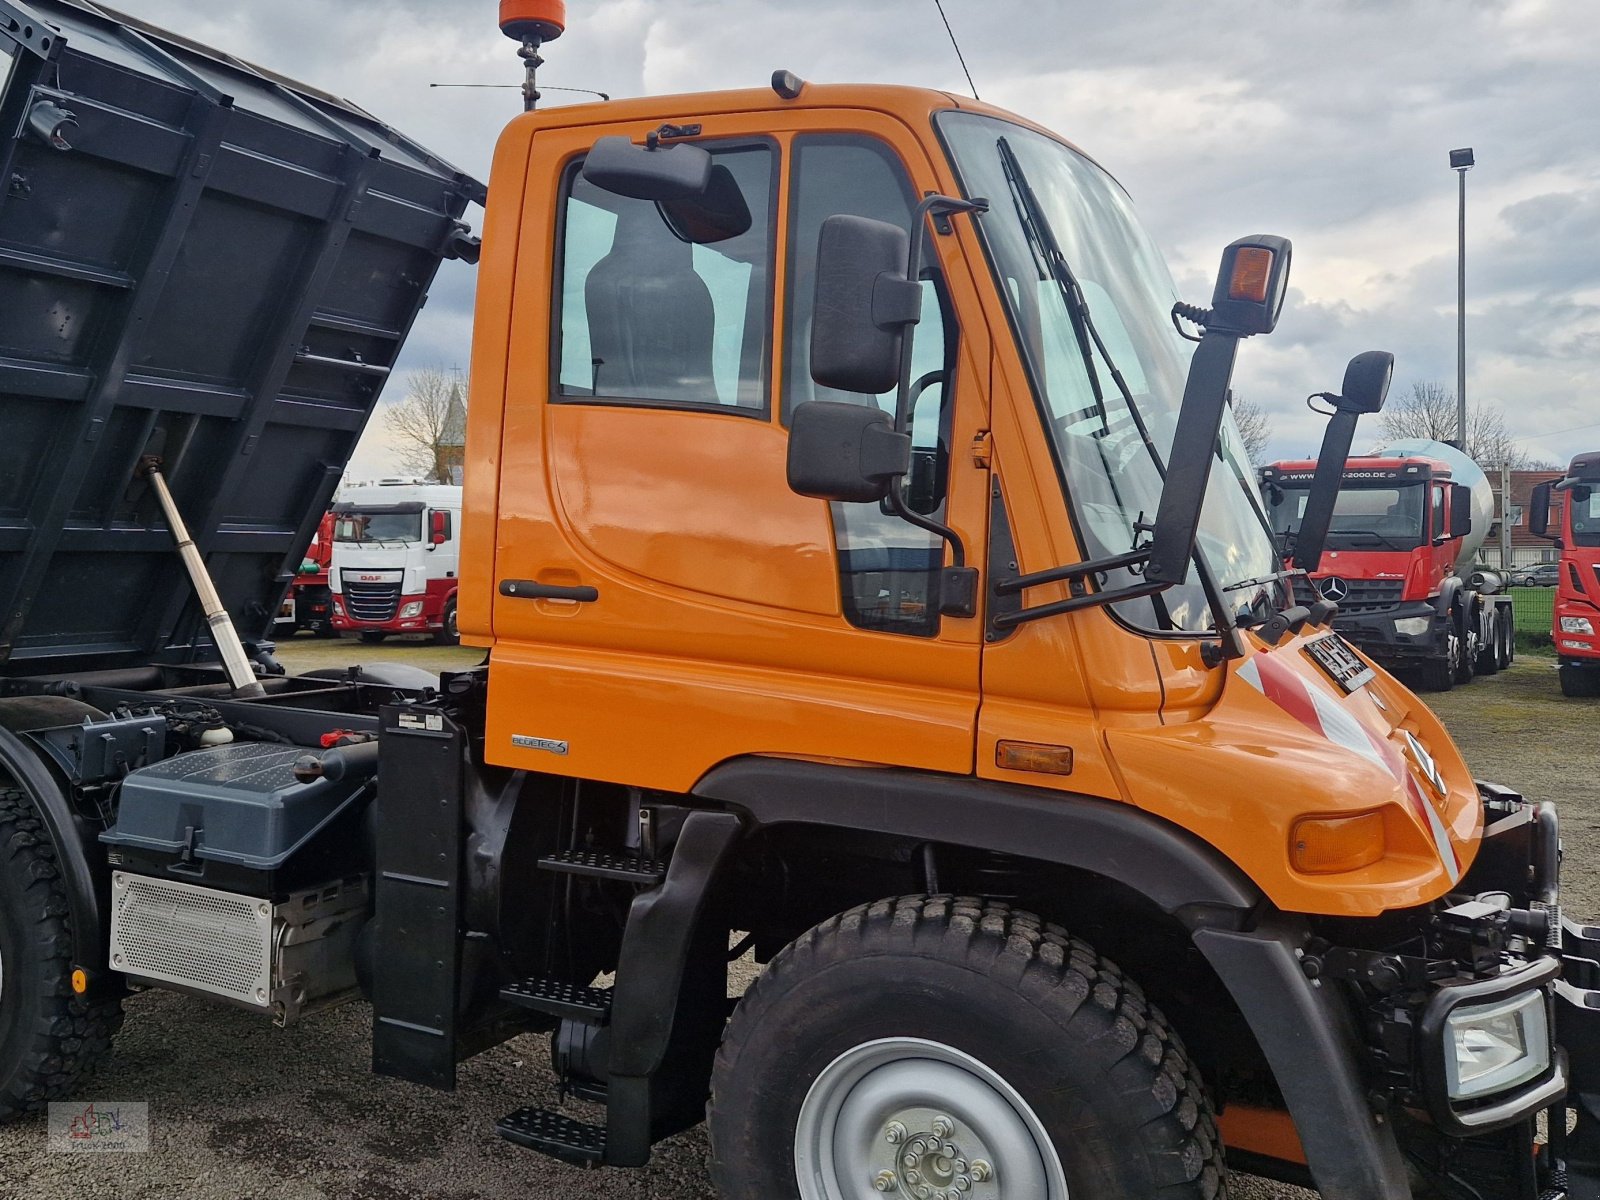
[
  {"x": 1364, "y": 595},
  {"x": 371, "y": 601},
  {"x": 177, "y": 933}
]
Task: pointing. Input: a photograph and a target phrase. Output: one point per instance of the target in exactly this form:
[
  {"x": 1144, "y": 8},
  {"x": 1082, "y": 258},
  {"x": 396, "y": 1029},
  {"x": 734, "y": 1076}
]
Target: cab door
[{"x": 664, "y": 601}]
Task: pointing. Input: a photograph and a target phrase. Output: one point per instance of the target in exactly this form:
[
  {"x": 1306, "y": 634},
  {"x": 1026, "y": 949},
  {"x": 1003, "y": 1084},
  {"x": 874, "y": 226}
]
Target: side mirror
[
  {"x": 1539, "y": 510},
  {"x": 864, "y": 302},
  {"x": 847, "y": 452},
  {"x": 1460, "y": 510},
  {"x": 439, "y": 528},
  {"x": 1366, "y": 386},
  {"x": 1251, "y": 284},
  {"x": 675, "y": 171}
]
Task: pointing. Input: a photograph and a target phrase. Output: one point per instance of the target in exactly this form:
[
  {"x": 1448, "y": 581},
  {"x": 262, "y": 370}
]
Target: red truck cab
[
  {"x": 1575, "y": 625},
  {"x": 1398, "y": 563}
]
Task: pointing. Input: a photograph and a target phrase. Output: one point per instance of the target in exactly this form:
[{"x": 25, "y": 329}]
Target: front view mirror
[
  {"x": 1251, "y": 284},
  {"x": 674, "y": 171},
  {"x": 847, "y": 452},
  {"x": 1366, "y": 385},
  {"x": 864, "y": 303}
]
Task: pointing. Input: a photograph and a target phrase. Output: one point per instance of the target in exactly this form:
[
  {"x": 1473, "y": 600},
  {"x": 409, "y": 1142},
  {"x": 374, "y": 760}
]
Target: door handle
[{"x": 532, "y": 589}]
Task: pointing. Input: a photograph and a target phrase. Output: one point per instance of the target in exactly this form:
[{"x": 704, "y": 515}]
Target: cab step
[
  {"x": 559, "y": 998},
  {"x": 598, "y": 864},
  {"x": 555, "y": 1134}
]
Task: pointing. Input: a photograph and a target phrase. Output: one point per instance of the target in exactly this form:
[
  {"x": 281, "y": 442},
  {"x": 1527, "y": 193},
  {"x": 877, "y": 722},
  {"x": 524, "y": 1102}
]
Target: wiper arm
[
  {"x": 1084, "y": 331},
  {"x": 1370, "y": 533}
]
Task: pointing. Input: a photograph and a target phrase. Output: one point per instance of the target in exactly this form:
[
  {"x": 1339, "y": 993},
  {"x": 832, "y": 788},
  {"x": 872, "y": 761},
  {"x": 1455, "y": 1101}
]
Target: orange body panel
[{"x": 718, "y": 631}]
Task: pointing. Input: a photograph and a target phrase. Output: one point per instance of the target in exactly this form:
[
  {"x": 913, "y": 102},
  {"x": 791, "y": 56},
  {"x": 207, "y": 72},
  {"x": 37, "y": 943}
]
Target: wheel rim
[
  {"x": 1453, "y": 652},
  {"x": 450, "y": 621},
  {"x": 921, "y": 1120}
]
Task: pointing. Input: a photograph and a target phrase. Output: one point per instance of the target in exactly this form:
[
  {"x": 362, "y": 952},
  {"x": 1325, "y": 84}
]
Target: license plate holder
[{"x": 1340, "y": 663}]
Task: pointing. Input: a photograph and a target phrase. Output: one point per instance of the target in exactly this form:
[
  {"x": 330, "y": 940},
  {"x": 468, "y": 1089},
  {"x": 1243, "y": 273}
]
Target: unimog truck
[{"x": 870, "y": 579}]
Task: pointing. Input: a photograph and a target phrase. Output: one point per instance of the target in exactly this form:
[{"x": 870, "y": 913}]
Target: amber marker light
[
  {"x": 80, "y": 981},
  {"x": 1252, "y": 274},
  {"x": 1329, "y": 845},
  {"x": 1033, "y": 756}
]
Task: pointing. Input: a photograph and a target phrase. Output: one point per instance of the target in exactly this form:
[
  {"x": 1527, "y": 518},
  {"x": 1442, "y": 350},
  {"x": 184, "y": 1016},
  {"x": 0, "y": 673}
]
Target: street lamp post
[{"x": 1461, "y": 162}]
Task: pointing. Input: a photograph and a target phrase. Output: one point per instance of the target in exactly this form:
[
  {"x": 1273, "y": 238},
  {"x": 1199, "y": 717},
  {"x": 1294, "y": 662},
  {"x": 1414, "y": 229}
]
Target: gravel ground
[{"x": 243, "y": 1111}]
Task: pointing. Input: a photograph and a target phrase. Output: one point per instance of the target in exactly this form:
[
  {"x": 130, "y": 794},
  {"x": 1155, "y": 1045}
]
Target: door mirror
[
  {"x": 674, "y": 171},
  {"x": 1460, "y": 510},
  {"x": 439, "y": 528},
  {"x": 864, "y": 304},
  {"x": 847, "y": 452},
  {"x": 1539, "y": 511}
]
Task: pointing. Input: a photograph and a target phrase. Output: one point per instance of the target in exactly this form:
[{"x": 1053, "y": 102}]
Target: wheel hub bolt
[
  {"x": 885, "y": 1181},
  {"x": 913, "y": 1176},
  {"x": 910, "y": 1160},
  {"x": 982, "y": 1172},
  {"x": 895, "y": 1133},
  {"x": 943, "y": 1126},
  {"x": 963, "y": 1183}
]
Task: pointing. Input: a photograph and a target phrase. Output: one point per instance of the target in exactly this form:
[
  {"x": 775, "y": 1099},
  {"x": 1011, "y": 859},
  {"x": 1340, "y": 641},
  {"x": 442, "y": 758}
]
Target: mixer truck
[
  {"x": 1401, "y": 559},
  {"x": 1576, "y": 621},
  {"x": 870, "y": 579}
]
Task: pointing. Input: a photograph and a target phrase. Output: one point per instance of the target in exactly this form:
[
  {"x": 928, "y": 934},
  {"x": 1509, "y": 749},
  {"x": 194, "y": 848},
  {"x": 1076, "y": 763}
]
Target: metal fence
[{"x": 1534, "y": 608}]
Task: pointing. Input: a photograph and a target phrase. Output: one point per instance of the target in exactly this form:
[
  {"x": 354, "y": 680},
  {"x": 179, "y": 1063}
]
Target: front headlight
[
  {"x": 1576, "y": 625},
  {"x": 414, "y": 609},
  {"x": 1496, "y": 1046},
  {"x": 1413, "y": 626}
]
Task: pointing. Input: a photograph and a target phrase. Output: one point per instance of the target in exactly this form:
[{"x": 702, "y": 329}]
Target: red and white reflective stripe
[{"x": 1320, "y": 712}]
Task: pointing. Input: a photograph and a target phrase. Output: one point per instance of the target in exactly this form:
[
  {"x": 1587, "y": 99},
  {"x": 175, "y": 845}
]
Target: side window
[
  {"x": 648, "y": 318},
  {"x": 1436, "y": 525},
  {"x": 888, "y": 568}
]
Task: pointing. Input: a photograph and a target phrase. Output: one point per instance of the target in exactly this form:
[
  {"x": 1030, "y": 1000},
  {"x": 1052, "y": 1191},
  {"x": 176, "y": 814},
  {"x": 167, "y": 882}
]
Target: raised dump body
[{"x": 202, "y": 260}]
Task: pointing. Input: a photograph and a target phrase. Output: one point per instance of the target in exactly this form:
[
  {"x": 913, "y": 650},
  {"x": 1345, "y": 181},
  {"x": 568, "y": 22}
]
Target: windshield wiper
[
  {"x": 1037, "y": 224},
  {"x": 1368, "y": 533}
]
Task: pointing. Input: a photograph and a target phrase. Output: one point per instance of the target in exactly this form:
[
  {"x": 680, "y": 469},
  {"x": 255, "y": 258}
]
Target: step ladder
[{"x": 643, "y": 1101}]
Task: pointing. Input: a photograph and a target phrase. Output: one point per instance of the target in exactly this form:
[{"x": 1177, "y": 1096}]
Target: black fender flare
[
  {"x": 1168, "y": 865},
  {"x": 75, "y": 847},
  {"x": 1306, "y": 1034},
  {"x": 1448, "y": 591}
]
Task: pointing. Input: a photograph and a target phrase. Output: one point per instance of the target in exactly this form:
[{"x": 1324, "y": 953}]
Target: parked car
[{"x": 1543, "y": 575}]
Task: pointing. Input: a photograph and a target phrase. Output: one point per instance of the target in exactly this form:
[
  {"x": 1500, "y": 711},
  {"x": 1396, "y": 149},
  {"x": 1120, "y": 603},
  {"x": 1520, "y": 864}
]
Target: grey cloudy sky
[{"x": 1328, "y": 121}]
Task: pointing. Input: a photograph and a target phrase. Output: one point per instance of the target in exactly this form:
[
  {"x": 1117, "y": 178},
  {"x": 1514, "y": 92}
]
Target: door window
[
  {"x": 888, "y": 568},
  {"x": 648, "y": 318}
]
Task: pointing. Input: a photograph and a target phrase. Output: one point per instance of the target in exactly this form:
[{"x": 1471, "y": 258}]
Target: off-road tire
[
  {"x": 1075, "y": 1037},
  {"x": 49, "y": 1038}
]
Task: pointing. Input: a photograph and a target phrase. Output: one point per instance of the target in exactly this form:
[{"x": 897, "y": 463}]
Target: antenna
[
  {"x": 962, "y": 58},
  {"x": 549, "y": 87},
  {"x": 533, "y": 23}
]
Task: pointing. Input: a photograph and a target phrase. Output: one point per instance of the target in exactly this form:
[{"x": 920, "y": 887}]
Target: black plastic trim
[
  {"x": 1312, "y": 1046},
  {"x": 1172, "y": 868}
]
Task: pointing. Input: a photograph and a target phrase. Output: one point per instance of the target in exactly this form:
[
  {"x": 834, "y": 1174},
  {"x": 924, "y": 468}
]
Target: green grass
[{"x": 1534, "y": 608}]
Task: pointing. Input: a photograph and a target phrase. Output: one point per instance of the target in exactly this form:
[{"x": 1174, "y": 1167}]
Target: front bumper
[{"x": 1374, "y": 633}]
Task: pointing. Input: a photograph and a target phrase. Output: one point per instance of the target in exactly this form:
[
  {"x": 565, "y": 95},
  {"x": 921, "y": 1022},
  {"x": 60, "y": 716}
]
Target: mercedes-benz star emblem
[{"x": 1335, "y": 589}]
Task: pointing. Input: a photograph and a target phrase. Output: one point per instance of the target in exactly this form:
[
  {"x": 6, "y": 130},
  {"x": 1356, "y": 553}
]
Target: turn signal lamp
[
  {"x": 1330, "y": 845},
  {"x": 1252, "y": 271},
  {"x": 1033, "y": 756}
]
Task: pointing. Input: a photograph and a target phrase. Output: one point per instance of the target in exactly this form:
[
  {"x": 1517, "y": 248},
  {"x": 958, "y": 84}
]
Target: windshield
[
  {"x": 1364, "y": 518},
  {"x": 1111, "y": 452},
  {"x": 1586, "y": 515},
  {"x": 378, "y": 527}
]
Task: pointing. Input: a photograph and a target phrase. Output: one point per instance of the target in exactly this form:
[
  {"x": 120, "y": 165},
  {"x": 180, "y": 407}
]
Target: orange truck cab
[
  {"x": 836, "y": 471},
  {"x": 871, "y": 584},
  {"x": 1576, "y": 621}
]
